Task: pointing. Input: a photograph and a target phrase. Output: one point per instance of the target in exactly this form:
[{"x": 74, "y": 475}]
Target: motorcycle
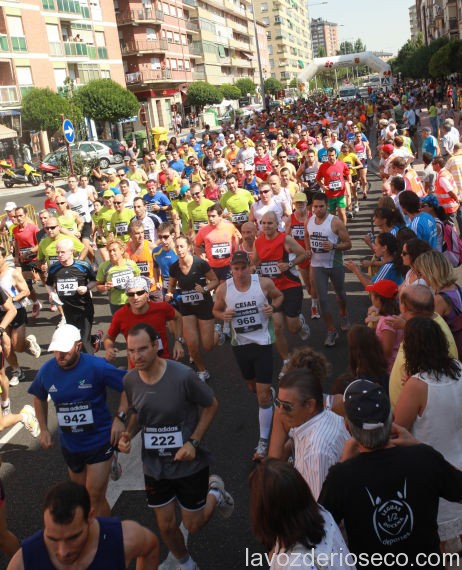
[
  {"x": 25, "y": 175},
  {"x": 46, "y": 168}
]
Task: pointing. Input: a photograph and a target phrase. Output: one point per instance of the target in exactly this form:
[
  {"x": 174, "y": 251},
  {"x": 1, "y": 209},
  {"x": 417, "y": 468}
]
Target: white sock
[
  {"x": 6, "y": 403},
  {"x": 314, "y": 302},
  {"x": 187, "y": 563},
  {"x": 265, "y": 417},
  {"x": 216, "y": 493}
]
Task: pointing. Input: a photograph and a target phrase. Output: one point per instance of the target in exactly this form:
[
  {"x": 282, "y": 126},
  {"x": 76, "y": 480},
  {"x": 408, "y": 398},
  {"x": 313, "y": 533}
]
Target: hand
[
  {"x": 111, "y": 354},
  {"x": 327, "y": 245},
  {"x": 108, "y": 285},
  {"x": 283, "y": 267},
  {"x": 45, "y": 439},
  {"x": 82, "y": 290},
  {"x": 399, "y": 436},
  {"x": 186, "y": 453},
  {"x": 125, "y": 442},
  {"x": 228, "y": 315},
  {"x": 351, "y": 265},
  {"x": 268, "y": 310},
  {"x": 178, "y": 351},
  {"x": 367, "y": 240},
  {"x": 200, "y": 289},
  {"x": 117, "y": 431},
  {"x": 395, "y": 321},
  {"x": 168, "y": 296}
]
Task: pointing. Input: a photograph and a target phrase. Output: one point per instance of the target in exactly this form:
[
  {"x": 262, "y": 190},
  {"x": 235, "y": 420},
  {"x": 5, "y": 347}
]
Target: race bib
[
  {"x": 25, "y": 252},
  {"x": 52, "y": 259},
  {"x": 221, "y": 250},
  {"x": 75, "y": 417},
  {"x": 165, "y": 281},
  {"x": 240, "y": 218},
  {"x": 197, "y": 225},
  {"x": 247, "y": 320},
  {"x": 317, "y": 244},
  {"x": 149, "y": 206},
  {"x": 121, "y": 228},
  {"x": 270, "y": 268},
  {"x": 298, "y": 232},
  {"x": 260, "y": 168},
  {"x": 66, "y": 286},
  {"x": 310, "y": 177},
  {"x": 163, "y": 441},
  {"x": 79, "y": 209},
  {"x": 335, "y": 185},
  {"x": 173, "y": 195},
  {"x": 147, "y": 235},
  {"x": 144, "y": 267},
  {"x": 120, "y": 278},
  {"x": 191, "y": 297}
]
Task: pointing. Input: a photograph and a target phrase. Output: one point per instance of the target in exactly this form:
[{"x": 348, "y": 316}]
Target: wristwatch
[
  {"x": 206, "y": 289},
  {"x": 2, "y": 330},
  {"x": 122, "y": 416},
  {"x": 194, "y": 442},
  {"x": 180, "y": 339},
  {"x": 290, "y": 264},
  {"x": 334, "y": 246}
]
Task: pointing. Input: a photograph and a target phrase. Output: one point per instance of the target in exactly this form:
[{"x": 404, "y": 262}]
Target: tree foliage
[
  {"x": 246, "y": 86},
  {"x": 42, "y": 109},
  {"x": 230, "y": 91},
  {"x": 272, "y": 86},
  {"x": 106, "y": 100},
  {"x": 413, "y": 59},
  {"x": 201, "y": 93}
]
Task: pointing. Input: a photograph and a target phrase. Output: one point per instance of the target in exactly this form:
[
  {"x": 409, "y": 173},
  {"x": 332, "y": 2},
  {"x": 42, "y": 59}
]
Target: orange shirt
[
  {"x": 144, "y": 261},
  {"x": 220, "y": 243}
]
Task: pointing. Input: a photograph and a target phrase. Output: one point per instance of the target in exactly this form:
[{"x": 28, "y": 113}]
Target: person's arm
[
  {"x": 441, "y": 306},
  {"x": 344, "y": 241},
  {"x": 212, "y": 282},
  {"x": 291, "y": 246},
  {"x": 411, "y": 402},
  {"x": 17, "y": 562},
  {"x": 178, "y": 349},
  {"x": 279, "y": 436},
  {"x": 111, "y": 351},
  {"x": 271, "y": 292},
  {"x": 220, "y": 311},
  {"x": 142, "y": 544},
  {"x": 9, "y": 314},
  {"x": 41, "y": 412},
  {"x": 20, "y": 286},
  {"x": 188, "y": 451},
  {"x": 364, "y": 279}
]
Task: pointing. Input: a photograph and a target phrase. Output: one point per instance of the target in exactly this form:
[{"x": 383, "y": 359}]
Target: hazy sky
[{"x": 382, "y": 25}]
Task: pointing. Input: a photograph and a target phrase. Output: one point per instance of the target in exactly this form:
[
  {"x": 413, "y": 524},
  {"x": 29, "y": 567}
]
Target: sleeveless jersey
[
  {"x": 249, "y": 324},
  {"x": 6, "y": 283},
  {"x": 271, "y": 252},
  {"x": 144, "y": 261},
  {"x": 109, "y": 554},
  {"x": 319, "y": 234}
]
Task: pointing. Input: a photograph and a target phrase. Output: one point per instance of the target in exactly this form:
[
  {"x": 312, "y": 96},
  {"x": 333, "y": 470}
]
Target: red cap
[
  {"x": 385, "y": 288},
  {"x": 387, "y": 148}
]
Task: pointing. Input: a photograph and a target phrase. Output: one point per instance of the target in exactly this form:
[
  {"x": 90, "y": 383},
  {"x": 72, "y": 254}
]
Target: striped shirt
[
  {"x": 318, "y": 445},
  {"x": 454, "y": 165}
]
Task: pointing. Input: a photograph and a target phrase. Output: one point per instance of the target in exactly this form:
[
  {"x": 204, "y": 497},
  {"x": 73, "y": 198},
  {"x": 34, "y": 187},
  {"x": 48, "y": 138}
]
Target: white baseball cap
[
  {"x": 64, "y": 338},
  {"x": 10, "y": 206}
]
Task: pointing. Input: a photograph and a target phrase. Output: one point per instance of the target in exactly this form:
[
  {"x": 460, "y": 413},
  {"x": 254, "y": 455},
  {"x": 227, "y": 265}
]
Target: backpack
[
  {"x": 452, "y": 245},
  {"x": 456, "y": 325}
]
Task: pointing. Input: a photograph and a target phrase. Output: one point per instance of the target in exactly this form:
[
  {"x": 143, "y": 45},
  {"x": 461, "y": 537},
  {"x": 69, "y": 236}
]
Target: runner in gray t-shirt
[{"x": 173, "y": 409}]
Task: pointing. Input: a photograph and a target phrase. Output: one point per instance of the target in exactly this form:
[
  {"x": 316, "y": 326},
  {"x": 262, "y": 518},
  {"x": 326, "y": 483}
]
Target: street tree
[
  {"x": 106, "y": 100},
  {"x": 272, "y": 86},
  {"x": 42, "y": 109},
  {"x": 246, "y": 86},
  {"x": 201, "y": 93},
  {"x": 230, "y": 92}
]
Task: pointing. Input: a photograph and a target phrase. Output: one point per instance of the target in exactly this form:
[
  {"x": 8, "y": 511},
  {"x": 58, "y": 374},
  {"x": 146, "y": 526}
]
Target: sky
[{"x": 381, "y": 25}]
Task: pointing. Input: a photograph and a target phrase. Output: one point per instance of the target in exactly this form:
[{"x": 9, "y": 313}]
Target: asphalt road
[{"x": 27, "y": 471}]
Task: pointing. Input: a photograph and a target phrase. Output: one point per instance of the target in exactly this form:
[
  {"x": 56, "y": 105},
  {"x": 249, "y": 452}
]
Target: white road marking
[
  {"x": 8, "y": 436},
  {"x": 132, "y": 478}
]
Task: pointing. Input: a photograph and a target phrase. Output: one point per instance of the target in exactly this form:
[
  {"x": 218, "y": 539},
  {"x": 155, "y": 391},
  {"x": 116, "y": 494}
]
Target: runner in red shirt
[
  {"x": 262, "y": 163},
  {"x": 334, "y": 178}
]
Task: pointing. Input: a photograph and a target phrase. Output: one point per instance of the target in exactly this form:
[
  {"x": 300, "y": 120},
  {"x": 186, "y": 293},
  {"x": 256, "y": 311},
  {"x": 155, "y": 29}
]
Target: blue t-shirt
[
  {"x": 177, "y": 165},
  {"x": 424, "y": 227},
  {"x": 252, "y": 187},
  {"x": 79, "y": 396},
  {"x": 388, "y": 271},
  {"x": 430, "y": 145},
  {"x": 163, "y": 259},
  {"x": 161, "y": 199}
]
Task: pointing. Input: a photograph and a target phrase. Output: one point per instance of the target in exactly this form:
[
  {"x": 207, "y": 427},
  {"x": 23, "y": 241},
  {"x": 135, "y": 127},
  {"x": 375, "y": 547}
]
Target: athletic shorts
[
  {"x": 86, "y": 231},
  {"x": 292, "y": 304},
  {"x": 202, "y": 310},
  {"x": 2, "y": 494},
  {"x": 338, "y": 202},
  {"x": 255, "y": 362},
  {"x": 223, "y": 273},
  {"x": 304, "y": 264},
  {"x": 20, "y": 318},
  {"x": 76, "y": 461},
  {"x": 190, "y": 492}
]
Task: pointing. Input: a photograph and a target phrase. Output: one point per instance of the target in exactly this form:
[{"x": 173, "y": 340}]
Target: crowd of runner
[{"x": 217, "y": 238}]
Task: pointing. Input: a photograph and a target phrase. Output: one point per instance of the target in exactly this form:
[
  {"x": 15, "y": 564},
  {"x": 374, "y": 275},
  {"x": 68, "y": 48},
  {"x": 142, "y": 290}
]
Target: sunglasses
[
  {"x": 283, "y": 156},
  {"x": 195, "y": 164},
  {"x": 118, "y": 202},
  {"x": 264, "y": 191},
  {"x": 166, "y": 236},
  {"x": 286, "y": 406},
  {"x": 196, "y": 194},
  {"x": 50, "y": 228},
  {"x": 136, "y": 293},
  {"x": 60, "y": 203}
]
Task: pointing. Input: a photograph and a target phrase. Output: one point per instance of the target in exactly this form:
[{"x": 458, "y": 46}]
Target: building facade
[
  {"x": 44, "y": 43},
  {"x": 324, "y": 38},
  {"x": 413, "y": 24},
  {"x": 289, "y": 42},
  {"x": 439, "y": 18}
]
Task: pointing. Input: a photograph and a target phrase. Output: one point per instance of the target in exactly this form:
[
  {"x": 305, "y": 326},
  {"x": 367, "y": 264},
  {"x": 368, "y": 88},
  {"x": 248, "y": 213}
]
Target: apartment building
[
  {"x": 289, "y": 42},
  {"x": 413, "y": 23},
  {"x": 439, "y": 18},
  {"x": 43, "y": 42},
  {"x": 324, "y": 38}
]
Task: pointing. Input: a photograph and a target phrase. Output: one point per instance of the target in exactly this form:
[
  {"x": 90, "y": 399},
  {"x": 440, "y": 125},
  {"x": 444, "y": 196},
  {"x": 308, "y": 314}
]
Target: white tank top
[
  {"x": 6, "y": 283},
  {"x": 249, "y": 324},
  {"x": 319, "y": 234}
]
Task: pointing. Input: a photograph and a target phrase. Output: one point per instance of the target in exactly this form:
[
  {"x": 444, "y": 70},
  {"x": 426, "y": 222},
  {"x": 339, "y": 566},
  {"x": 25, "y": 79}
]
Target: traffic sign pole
[{"x": 69, "y": 135}]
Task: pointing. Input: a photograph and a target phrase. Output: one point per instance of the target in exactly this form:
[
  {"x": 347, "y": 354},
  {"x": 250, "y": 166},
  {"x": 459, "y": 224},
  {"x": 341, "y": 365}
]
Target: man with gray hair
[{"x": 388, "y": 506}]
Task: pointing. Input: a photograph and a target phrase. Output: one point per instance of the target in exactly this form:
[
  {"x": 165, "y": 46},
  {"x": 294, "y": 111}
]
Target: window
[
  {"x": 105, "y": 74},
  {"x": 151, "y": 34},
  {"x": 278, "y": 20},
  {"x": 163, "y": 34},
  {"x": 268, "y": 36},
  {"x": 266, "y": 21},
  {"x": 165, "y": 8},
  {"x": 100, "y": 39},
  {"x": 271, "y": 62},
  {"x": 180, "y": 65},
  {"x": 87, "y": 72},
  {"x": 173, "y": 64},
  {"x": 176, "y": 37},
  {"x": 179, "y": 12},
  {"x": 169, "y": 37},
  {"x": 54, "y": 39},
  {"x": 24, "y": 76},
  {"x": 264, "y": 7},
  {"x": 270, "y": 50},
  {"x": 173, "y": 11},
  {"x": 18, "y": 40},
  {"x": 155, "y": 63},
  {"x": 187, "y": 64},
  {"x": 184, "y": 39}
]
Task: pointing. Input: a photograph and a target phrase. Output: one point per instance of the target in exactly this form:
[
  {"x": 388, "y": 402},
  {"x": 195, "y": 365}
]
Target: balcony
[
  {"x": 67, "y": 8},
  {"x": 239, "y": 44},
  {"x": 137, "y": 17},
  {"x": 195, "y": 49},
  {"x": 237, "y": 26},
  {"x": 191, "y": 3},
  {"x": 154, "y": 46},
  {"x": 241, "y": 62},
  {"x": 198, "y": 75},
  {"x": 192, "y": 26},
  {"x": 9, "y": 94},
  {"x": 77, "y": 49},
  {"x": 142, "y": 77},
  {"x": 56, "y": 48},
  {"x": 4, "y": 46},
  {"x": 18, "y": 44}
]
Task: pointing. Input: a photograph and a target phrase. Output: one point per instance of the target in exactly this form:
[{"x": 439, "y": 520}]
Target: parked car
[
  {"x": 118, "y": 149},
  {"x": 87, "y": 149}
]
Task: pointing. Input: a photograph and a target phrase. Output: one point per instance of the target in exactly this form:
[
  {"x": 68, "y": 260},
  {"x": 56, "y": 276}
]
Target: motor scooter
[
  {"x": 25, "y": 175},
  {"x": 46, "y": 168}
]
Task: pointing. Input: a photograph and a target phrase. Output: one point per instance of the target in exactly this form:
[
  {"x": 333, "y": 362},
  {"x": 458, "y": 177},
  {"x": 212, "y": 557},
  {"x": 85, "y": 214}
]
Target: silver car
[{"x": 91, "y": 150}]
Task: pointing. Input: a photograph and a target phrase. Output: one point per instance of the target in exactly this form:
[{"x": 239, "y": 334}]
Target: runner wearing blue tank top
[{"x": 73, "y": 538}]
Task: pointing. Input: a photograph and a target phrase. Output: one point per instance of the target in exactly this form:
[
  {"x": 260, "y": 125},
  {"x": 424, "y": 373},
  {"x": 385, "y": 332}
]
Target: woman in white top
[
  {"x": 410, "y": 251},
  {"x": 289, "y": 522},
  {"x": 430, "y": 402}
]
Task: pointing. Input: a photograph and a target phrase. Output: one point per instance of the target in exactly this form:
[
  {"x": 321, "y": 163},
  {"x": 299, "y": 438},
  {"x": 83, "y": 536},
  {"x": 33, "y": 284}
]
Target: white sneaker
[
  {"x": 204, "y": 375},
  {"x": 6, "y": 410},
  {"x": 32, "y": 346},
  {"x": 331, "y": 337},
  {"x": 221, "y": 336},
  {"x": 304, "y": 332},
  {"x": 17, "y": 375},
  {"x": 30, "y": 421},
  {"x": 225, "y": 505}
]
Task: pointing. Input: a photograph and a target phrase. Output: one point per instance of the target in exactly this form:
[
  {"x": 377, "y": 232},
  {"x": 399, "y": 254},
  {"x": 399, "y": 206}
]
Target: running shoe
[
  {"x": 345, "y": 324},
  {"x": 204, "y": 375},
  {"x": 225, "y": 505},
  {"x": 356, "y": 207},
  {"x": 116, "y": 468},
  {"x": 261, "y": 451},
  {"x": 30, "y": 421},
  {"x": 97, "y": 340},
  {"x": 315, "y": 312},
  {"x": 32, "y": 346},
  {"x": 283, "y": 369},
  {"x": 53, "y": 308},
  {"x": 55, "y": 298},
  {"x": 331, "y": 337},
  {"x": 349, "y": 215},
  {"x": 17, "y": 375},
  {"x": 304, "y": 332},
  {"x": 36, "y": 309},
  {"x": 6, "y": 410},
  {"x": 221, "y": 336}
]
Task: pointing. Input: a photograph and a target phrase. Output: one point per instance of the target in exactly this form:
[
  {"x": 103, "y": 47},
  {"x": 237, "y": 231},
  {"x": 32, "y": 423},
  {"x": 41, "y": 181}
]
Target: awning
[
  {"x": 6, "y": 133},
  {"x": 9, "y": 113},
  {"x": 301, "y": 64},
  {"x": 248, "y": 55}
]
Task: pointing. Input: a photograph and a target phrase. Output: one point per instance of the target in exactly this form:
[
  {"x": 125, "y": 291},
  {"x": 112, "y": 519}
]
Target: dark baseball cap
[
  {"x": 367, "y": 405},
  {"x": 240, "y": 257}
]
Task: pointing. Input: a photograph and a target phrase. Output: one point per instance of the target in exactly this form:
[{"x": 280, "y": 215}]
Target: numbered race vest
[{"x": 272, "y": 252}]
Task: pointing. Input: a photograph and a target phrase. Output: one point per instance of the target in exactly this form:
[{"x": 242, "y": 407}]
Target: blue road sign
[{"x": 68, "y": 130}]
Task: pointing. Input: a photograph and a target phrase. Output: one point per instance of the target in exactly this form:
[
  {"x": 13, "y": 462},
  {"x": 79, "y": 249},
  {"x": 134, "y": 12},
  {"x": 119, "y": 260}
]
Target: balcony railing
[
  {"x": 4, "y": 44},
  {"x": 195, "y": 50},
  {"x": 453, "y": 24},
  {"x": 241, "y": 62},
  {"x": 192, "y": 3},
  {"x": 134, "y": 16},
  {"x": 154, "y": 46},
  {"x": 8, "y": 94},
  {"x": 76, "y": 49},
  {"x": 148, "y": 76},
  {"x": 192, "y": 26},
  {"x": 56, "y": 48},
  {"x": 198, "y": 75},
  {"x": 18, "y": 43}
]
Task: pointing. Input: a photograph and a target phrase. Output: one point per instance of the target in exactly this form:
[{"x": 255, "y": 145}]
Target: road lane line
[{"x": 13, "y": 431}]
